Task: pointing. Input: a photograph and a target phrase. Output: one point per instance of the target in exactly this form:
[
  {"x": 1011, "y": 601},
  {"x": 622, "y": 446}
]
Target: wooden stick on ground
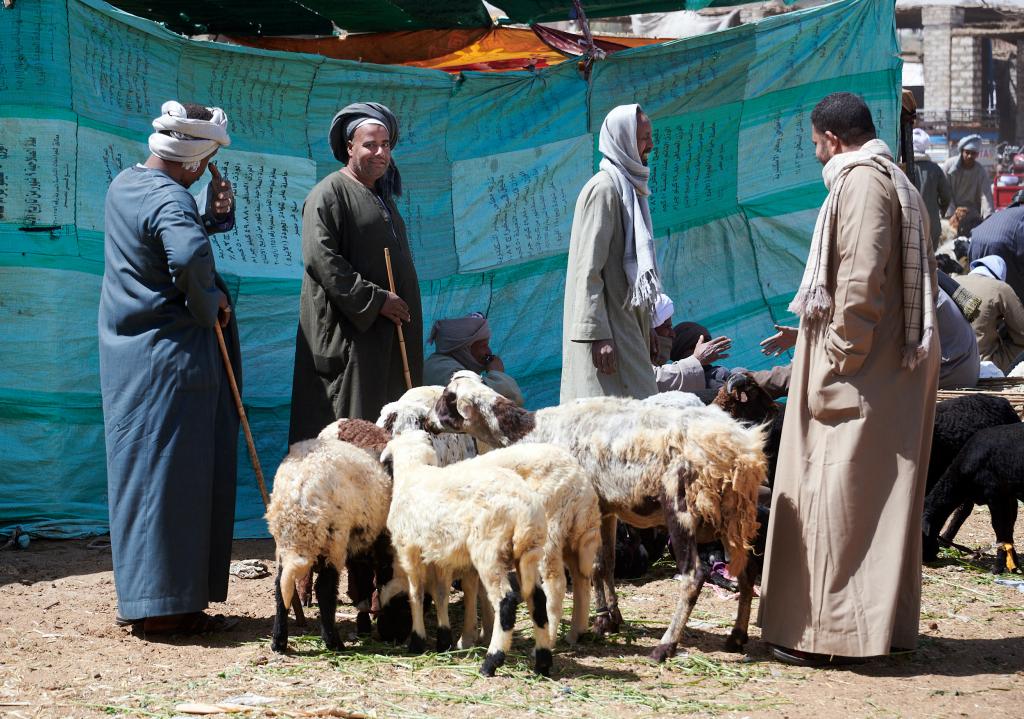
[
  {"x": 300, "y": 619},
  {"x": 401, "y": 335}
]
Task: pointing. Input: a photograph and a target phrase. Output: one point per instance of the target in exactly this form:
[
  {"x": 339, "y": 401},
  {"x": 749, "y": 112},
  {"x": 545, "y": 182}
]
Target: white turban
[
  {"x": 663, "y": 309},
  {"x": 188, "y": 140},
  {"x": 921, "y": 141}
]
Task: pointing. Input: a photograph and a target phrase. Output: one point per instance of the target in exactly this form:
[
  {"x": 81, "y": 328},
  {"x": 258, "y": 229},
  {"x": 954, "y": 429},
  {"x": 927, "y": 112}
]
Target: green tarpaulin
[{"x": 492, "y": 165}]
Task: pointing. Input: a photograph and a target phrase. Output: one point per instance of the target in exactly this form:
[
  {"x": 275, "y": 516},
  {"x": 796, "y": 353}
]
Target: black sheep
[
  {"x": 747, "y": 401},
  {"x": 956, "y": 421},
  {"x": 988, "y": 470}
]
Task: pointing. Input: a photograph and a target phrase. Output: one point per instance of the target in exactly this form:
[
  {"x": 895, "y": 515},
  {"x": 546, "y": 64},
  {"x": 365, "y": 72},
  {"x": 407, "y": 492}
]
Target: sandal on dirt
[
  {"x": 122, "y": 622},
  {"x": 194, "y": 623}
]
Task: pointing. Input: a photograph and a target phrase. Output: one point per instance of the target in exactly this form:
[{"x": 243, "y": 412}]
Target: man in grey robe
[
  {"x": 612, "y": 280},
  {"x": 969, "y": 181},
  {"x": 464, "y": 343},
  {"x": 171, "y": 424},
  {"x": 347, "y": 360}
]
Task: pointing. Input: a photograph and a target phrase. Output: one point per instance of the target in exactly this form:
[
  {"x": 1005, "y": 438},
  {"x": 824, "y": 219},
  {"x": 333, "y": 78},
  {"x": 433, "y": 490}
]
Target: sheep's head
[
  {"x": 414, "y": 410},
  {"x": 408, "y": 450},
  {"x": 745, "y": 400},
  {"x": 468, "y": 405}
]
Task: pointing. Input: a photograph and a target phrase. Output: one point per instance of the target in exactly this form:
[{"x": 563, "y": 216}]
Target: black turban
[{"x": 340, "y": 134}]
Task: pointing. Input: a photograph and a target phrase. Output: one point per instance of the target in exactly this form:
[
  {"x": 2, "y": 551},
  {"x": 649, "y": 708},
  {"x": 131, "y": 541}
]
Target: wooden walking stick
[
  {"x": 300, "y": 619},
  {"x": 398, "y": 326}
]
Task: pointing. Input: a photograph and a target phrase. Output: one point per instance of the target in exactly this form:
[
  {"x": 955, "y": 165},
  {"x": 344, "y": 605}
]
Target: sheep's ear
[{"x": 389, "y": 422}]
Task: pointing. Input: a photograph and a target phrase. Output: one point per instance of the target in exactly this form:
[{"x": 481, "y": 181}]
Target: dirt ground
[{"x": 61, "y": 655}]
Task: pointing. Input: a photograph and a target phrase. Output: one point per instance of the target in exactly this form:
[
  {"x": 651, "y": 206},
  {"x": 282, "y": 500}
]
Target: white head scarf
[
  {"x": 663, "y": 309},
  {"x": 179, "y": 138},
  {"x": 622, "y": 161},
  {"x": 921, "y": 141}
]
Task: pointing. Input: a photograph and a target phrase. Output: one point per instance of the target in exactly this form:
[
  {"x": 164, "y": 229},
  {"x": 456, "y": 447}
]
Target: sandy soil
[{"x": 61, "y": 655}]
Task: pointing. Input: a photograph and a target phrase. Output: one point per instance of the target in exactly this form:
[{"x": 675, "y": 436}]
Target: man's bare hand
[
  {"x": 602, "y": 352},
  {"x": 223, "y": 194},
  {"x": 710, "y": 351},
  {"x": 495, "y": 364},
  {"x": 395, "y": 309},
  {"x": 779, "y": 342},
  {"x": 223, "y": 310}
]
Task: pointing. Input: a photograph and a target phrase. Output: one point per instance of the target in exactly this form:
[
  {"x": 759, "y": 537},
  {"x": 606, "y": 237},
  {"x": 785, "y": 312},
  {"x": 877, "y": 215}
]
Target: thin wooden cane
[
  {"x": 253, "y": 457},
  {"x": 401, "y": 335}
]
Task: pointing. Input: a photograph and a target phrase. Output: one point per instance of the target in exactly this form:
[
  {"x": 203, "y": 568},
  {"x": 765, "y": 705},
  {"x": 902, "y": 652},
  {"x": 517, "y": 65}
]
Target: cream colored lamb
[
  {"x": 470, "y": 518},
  {"x": 330, "y": 502},
  {"x": 574, "y": 526}
]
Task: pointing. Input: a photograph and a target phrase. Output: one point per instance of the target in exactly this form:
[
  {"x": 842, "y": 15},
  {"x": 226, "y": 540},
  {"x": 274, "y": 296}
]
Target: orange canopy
[{"x": 494, "y": 49}]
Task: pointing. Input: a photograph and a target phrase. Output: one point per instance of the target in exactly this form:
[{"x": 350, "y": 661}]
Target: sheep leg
[
  {"x": 581, "y": 568},
  {"x": 738, "y": 637},
  {"x": 287, "y": 571},
  {"x": 692, "y": 578},
  {"x": 486, "y": 616},
  {"x": 554, "y": 588},
  {"x": 360, "y": 589},
  {"x": 537, "y": 604},
  {"x": 470, "y": 590},
  {"x": 394, "y": 620},
  {"x": 441, "y": 591},
  {"x": 326, "y": 587},
  {"x": 503, "y": 602},
  {"x": 960, "y": 516},
  {"x": 416, "y": 575},
  {"x": 1004, "y": 516},
  {"x": 608, "y": 618}
]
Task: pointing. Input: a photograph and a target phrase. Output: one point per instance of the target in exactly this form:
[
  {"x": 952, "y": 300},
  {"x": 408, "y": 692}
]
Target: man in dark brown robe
[{"x": 347, "y": 359}]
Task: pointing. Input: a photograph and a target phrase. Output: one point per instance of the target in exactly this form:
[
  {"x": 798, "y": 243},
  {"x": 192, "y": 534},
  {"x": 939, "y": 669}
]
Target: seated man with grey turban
[
  {"x": 464, "y": 343},
  {"x": 171, "y": 423}
]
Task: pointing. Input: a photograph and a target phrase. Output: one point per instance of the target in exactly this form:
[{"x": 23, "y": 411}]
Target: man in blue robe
[{"x": 171, "y": 424}]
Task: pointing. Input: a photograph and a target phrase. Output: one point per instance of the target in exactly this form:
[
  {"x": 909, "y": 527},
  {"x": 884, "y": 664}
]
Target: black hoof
[
  {"x": 491, "y": 663},
  {"x": 543, "y": 664},
  {"x": 604, "y": 624},
  {"x": 333, "y": 642},
  {"x": 417, "y": 644},
  {"x": 279, "y": 646},
  {"x": 364, "y": 626},
  {"x": 444, "y": 639},
  {"x": 736, "y": 641},
  {"x": 663, "y": 652}
]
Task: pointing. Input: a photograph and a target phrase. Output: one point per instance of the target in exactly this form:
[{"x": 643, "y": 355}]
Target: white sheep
[
  {"x": 676, "y": 399},
  {"x": 414, "y": 410},
  {"x": 330, "y": 502},
  {"x": 573, "y": 522},
  {"x": 471, "y": 519},
  {"x": 696, "y": 471}
]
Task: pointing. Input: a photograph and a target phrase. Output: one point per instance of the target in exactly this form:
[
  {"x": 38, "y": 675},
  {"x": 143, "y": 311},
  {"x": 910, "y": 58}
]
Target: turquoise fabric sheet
[{"x": 492, "y": 164}]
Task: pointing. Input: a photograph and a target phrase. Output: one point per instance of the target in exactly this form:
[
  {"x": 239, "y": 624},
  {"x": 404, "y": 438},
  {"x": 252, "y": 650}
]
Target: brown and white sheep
[
  {"x": 330, "y": 502},
  {"x": 466, "y": 519},
  {"x": 696, "y": 471}
]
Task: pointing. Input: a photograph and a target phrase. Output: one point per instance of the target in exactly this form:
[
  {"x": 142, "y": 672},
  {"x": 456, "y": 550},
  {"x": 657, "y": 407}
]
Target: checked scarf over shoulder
[{"x": 813, "y": 301}]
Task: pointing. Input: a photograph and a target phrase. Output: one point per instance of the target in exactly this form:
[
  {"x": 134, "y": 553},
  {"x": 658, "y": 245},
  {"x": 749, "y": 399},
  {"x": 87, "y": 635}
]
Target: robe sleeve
[
  {"x": 685, "y": 375},
  {"x": 987, "y": 203},
  {"x": 945, "y": 194},
  {"x": 504, "y": 385},
  {"x": 348, "y": 291},
  {"x": 189, "y": 257},
  {"x": 1013, "y": 314},
  {"x": 590, "y": 321},
  {"x": 864, "y": 240}
]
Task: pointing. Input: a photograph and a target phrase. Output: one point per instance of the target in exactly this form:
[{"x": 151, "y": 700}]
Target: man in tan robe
[
  {"x": 999, "y": 324},
  {"x": 612, "y": 279},
  {"x": 842, "y": 575}
]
